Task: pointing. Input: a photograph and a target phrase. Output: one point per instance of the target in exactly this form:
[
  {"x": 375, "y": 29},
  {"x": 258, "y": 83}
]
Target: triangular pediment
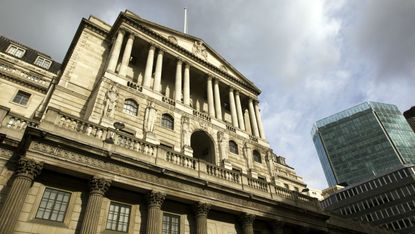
[{"x": 194, "y": 45}]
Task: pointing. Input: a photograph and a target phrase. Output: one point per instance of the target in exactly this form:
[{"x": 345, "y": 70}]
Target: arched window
[
  {"x": 167, "y": 121},
  {"x": 130, "y": 107},
  {"x": 257, "y": 156},
  {"x": 233, "y": 147}
]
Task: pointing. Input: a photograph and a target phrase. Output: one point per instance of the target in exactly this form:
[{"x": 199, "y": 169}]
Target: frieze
[{"x": 173, "y": 185}]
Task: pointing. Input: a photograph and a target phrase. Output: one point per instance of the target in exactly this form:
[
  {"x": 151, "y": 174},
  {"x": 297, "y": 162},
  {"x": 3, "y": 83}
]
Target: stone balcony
[{"x": 129, "y": 149}]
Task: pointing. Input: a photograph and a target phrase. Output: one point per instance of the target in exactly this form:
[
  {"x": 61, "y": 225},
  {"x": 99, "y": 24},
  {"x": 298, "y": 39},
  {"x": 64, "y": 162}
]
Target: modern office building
[
  {"x": 410, "y": 117},
  {"x": 142, "y": 129},
  {"x": 386, "y": 201},
  {"x": 362, "y": 142}
]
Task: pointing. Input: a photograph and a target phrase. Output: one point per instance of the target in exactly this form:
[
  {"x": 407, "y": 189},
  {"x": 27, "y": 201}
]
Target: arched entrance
[{"x": 202, "y": 146}]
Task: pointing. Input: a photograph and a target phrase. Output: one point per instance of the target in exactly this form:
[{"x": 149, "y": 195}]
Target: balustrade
[
  {"x": 258, "y": 184},
  {"x": 17, "y": 122},
  {"x": 223, "y": 173},
  {"x": 201, "y": 115},
  {"x": 181, "y": 160}
]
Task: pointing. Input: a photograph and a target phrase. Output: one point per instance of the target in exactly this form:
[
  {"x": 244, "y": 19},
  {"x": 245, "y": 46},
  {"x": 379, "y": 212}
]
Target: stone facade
[{"x": 144, "y": 130}]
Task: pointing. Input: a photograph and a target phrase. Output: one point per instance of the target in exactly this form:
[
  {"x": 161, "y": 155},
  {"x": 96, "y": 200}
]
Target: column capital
[
  {"x": 152, "y": 47},
  {"x": 161, "y": 51},
  {"x": 202, "y": 208},
  {"x": 247, "y": 219},
  {"x": 99, "y": 185},
  {"x": 28, "y": 168},
  {"x": 231, "y": 89},
  {"x": 132, "y": 36},
  {"x": 155, "y": 198},
  {"x": 179, "y": 60},
  {"x": 186, "y": 65}
]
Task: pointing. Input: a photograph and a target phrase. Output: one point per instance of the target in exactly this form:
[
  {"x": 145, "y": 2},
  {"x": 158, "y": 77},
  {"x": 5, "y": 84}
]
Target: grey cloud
[{"x": 385, "y": 35}]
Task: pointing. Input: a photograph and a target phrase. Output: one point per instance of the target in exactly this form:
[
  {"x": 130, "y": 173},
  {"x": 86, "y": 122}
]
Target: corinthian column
[
  {"x": 211, "y": 105},
  {"x": 115, "y": 51},
  {"x": 97, "y": 189},
  {"x": 259, "y": 121},
  {"x": 178, "y": 85},
  {"x": 247, "y": 221},
  {"x": 201, "y": 212},
  {"x": 233, "y": 108},
  {"x": 149, "y": 67},
  {"x": 27, "y": 170},
  {"x": 252, "y": 117},
  {"x": 218, "y": 104},
  {"x": 157, "y": 75},
  {"x": 155, "y": 200},
  {"x": 239, "y": 111},
  {"x": 186, "y": 85},
  {"x": 127, "y": 55}
]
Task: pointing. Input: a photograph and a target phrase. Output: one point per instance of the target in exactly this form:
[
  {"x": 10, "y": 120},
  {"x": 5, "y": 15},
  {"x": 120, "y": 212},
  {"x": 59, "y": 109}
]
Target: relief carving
[
  {"x": 172, "y": 40},
  {"x": 199, "y": 50},
  {"x": 150, "y": 117},
  {"x": 223, "y": 153},
  {"x": 186, "y": 131}
]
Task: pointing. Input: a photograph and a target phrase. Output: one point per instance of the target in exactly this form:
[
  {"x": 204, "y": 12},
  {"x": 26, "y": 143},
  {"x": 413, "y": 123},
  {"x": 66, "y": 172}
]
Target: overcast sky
[{"x": 310, "y": 58}]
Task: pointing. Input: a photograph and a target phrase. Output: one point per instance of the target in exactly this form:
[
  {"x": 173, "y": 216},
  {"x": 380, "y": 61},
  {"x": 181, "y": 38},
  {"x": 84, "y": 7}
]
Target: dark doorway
[{"x": 202, "y": 146}]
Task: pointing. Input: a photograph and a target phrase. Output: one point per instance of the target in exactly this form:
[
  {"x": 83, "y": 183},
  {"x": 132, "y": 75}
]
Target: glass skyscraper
[{"x": 363, "y": 141}]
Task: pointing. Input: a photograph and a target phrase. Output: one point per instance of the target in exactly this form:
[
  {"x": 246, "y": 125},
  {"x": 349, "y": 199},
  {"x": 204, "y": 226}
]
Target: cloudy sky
[{"x": 311, "y": 58}]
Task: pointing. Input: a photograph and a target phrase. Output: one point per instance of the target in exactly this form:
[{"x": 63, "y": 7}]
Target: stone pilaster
[
  {"x": 27, "y": 170},
  {"x": 259, "y": 121},
  {"x": 247, "y": 221},
  {"x": 233, "y": 108},
  {"x": 201, "y": 212},
  {"x": 186, "y": 85},
  {"x": 178, "y": 85},
  {"x": 218, "y": 104},
  {"x": 157, "y": 73},
  {"x": 211, "y": 105},
  {"x": 154, "y": 218},
  {"x": 149, "y": 67},
  {"x": 239, "y": 111},
  {"x": 252, "y": 117},
  {"x": 127, "y": 55},
  {"x": 115, "y": 51},
  {"x": 97, "y": 189}
]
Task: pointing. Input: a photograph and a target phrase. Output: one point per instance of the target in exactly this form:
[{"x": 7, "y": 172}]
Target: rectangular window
[
  {"x": 16, "y": 51},
  {"x": 118, "y": 217},
  {"x": 53, "y": 205},
  {"x": 21, "y": 97},
  {"x": 171, "y": 224},
  {"x": 43, "y": 62}
]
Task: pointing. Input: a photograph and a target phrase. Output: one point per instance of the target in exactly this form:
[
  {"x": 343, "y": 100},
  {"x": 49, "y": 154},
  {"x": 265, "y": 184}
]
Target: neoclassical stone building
[{"x": 142, "y": 129}]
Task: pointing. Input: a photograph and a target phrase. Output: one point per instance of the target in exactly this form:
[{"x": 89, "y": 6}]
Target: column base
[
  {"x": 151, "y": 138},
  {"x": 188, "y": 151}
]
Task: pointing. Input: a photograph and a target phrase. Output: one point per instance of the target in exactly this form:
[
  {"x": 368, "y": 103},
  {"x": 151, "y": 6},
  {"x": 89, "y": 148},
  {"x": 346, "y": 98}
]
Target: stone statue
[
  {"x": 150, "y": 117},
  {"x": 111, "y": 101},
  {"x": 222, "y": 146},
  {"x": 186, "y": 133},
  {"x": 248, "y": 155}
]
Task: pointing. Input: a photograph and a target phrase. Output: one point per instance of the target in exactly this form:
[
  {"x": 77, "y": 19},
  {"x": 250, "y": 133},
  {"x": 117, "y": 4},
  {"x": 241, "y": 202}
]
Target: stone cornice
[{"x": 179, "y": 49}]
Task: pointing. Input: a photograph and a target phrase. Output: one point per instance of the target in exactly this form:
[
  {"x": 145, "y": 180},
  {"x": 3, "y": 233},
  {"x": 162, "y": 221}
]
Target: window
[
  {"x": 171, "y": 224},
  {"x": 130, "y": 107},
  {"x": 43, "y": 62},
  {"x": 167, "y": 121},
  {"x": 53, "y": 205},
  {"x": 233, "y": 147},
  {"x": 16, "y": 51},
  {"x": 21, "y": 97},
  {"x": 118, "y": 217},
  {"x": 257, "y": 156}
]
